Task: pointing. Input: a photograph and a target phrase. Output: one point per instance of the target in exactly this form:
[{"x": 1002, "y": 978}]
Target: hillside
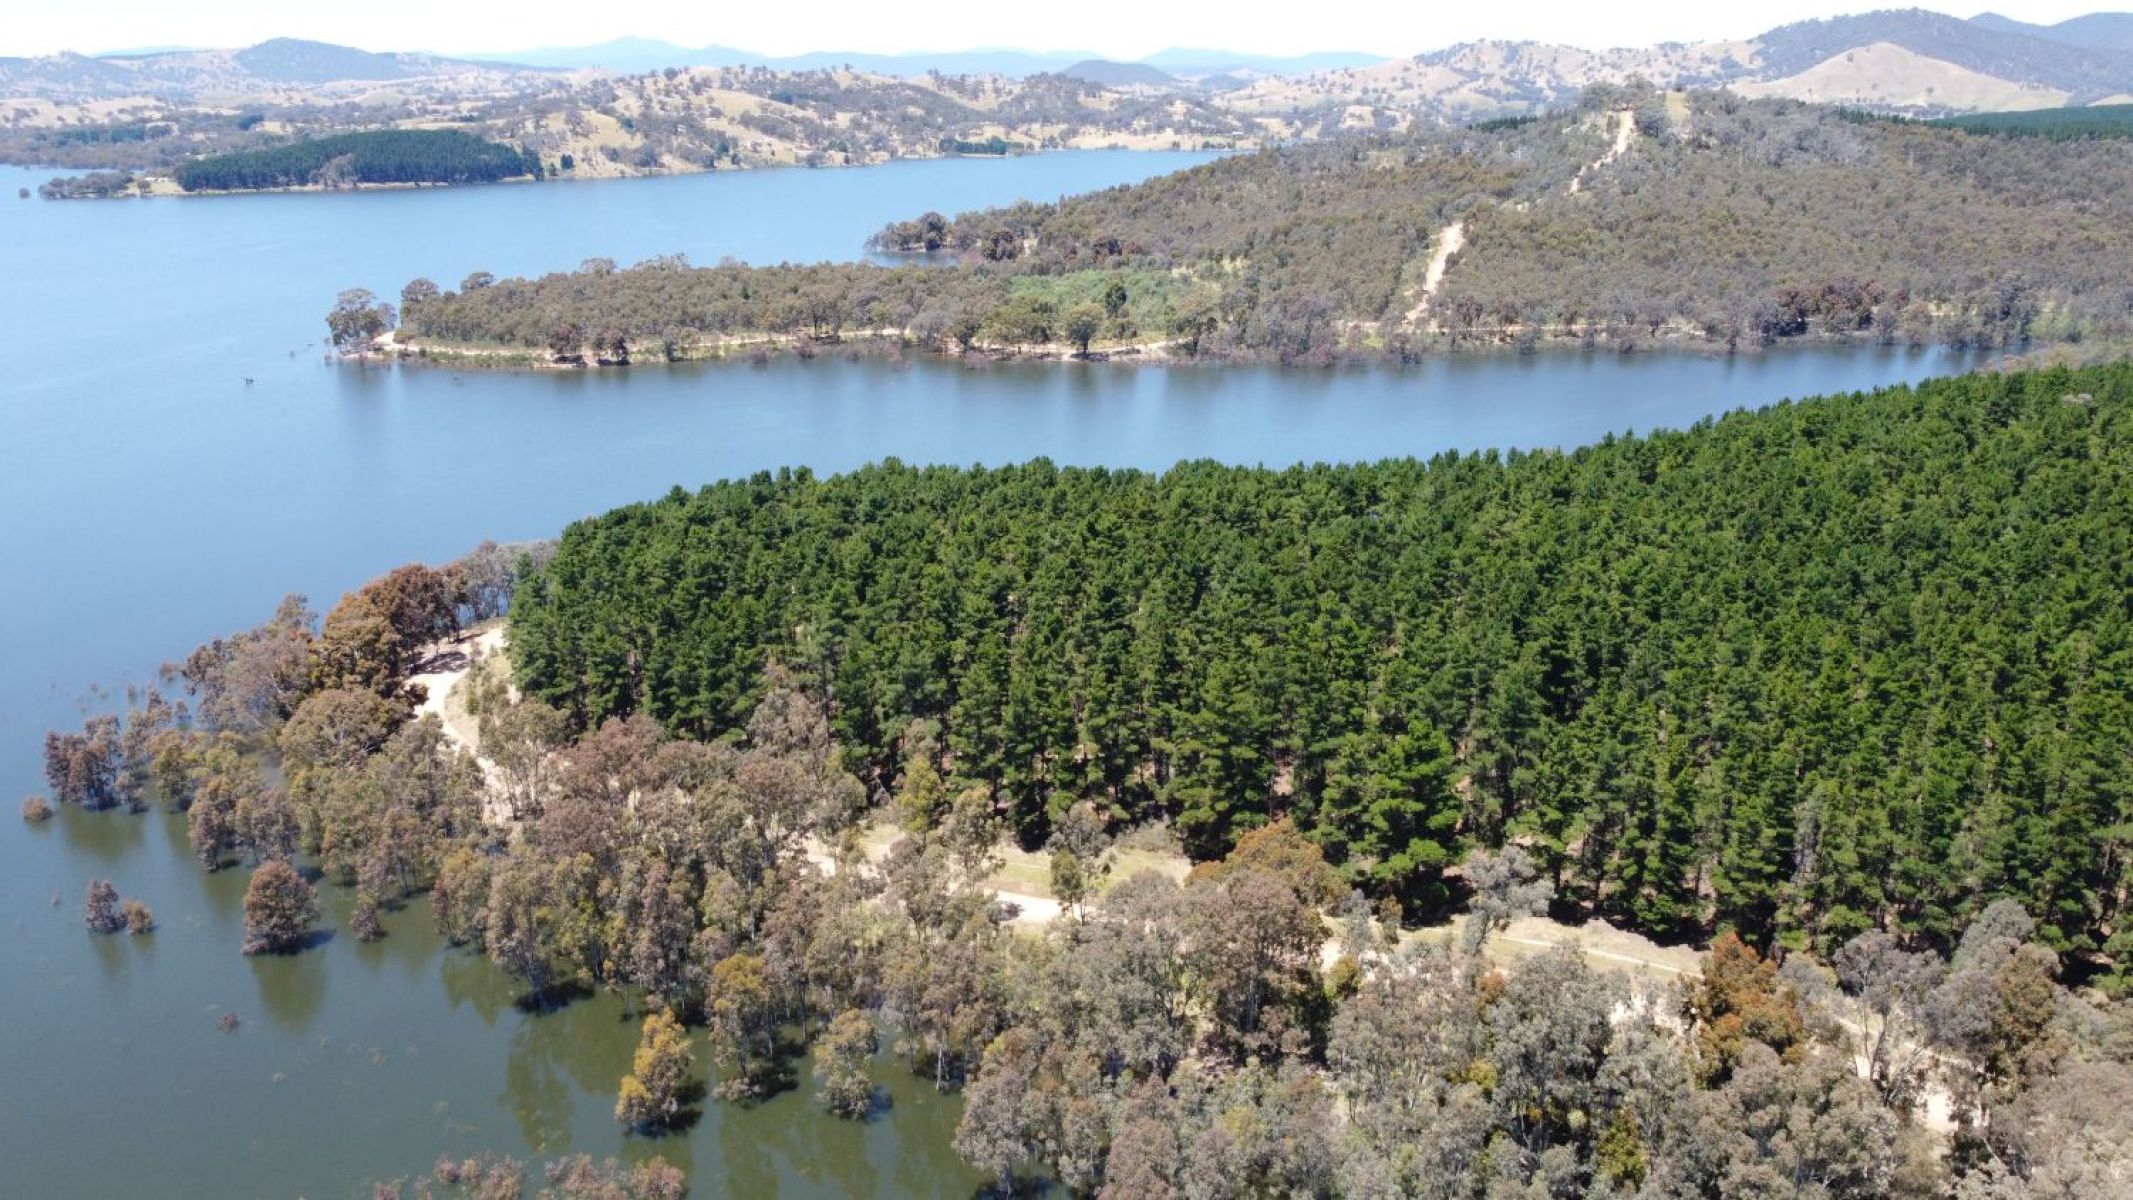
[
  {"x": 1119, "y": 74},
  {"x": 2095, "y": 31},
  {"x": 1641, "y": 220},
  {"x": 704, "y": 117},
  {"x": 595, "y": 125},
  {"x": 852, "y": 109},
  {"x": 715, "y": 107},
  {"x": 1905, "y": 61},
  {"x": 2015, "y": 57},
  {"x": 274, "y": 65}
]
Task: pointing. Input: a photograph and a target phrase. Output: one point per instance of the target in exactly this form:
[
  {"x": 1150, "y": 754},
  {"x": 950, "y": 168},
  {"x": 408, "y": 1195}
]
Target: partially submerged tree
[
  {"x": 741, "y": 1017},
  {"x": 279, "y": 910},
  {"x": 841, "y": 1064},
  {"x": 653, "y": 1093},
  {"x": 357, "y": 319},
  {"x": 363, "y": 918},
  {"x": 100, "y": 912}
]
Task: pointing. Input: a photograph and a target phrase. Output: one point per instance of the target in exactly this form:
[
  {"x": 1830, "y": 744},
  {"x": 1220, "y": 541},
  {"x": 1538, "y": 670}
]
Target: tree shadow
[
  {"x": 551, "y": 998},
  {"x": 312, "y": 940},
  {"x": 778, "y": 1074},
  {"x": 470, "y": 978},
  {"x": 292, "y": 990},
  {"x": 687, "y": 1117},
  {"x": 106, "y": 835},
  {"x": 879, "y": 1105},
  {"x": 449, "y": 657}
]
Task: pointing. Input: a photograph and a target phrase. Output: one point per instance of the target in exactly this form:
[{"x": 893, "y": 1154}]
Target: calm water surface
[{"x": 150, "y": 498}]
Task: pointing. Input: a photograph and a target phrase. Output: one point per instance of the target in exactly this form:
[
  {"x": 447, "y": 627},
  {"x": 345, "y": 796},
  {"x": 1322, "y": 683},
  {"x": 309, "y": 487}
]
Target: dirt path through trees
[
  {"x": 1449, "y": 241},
  {"x": 1625, "y": 123},
  {"x": 448, "y": 662}
]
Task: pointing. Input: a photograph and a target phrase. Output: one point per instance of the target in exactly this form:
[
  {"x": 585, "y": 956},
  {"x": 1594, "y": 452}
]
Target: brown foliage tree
[
  {"x": 279, "y": 910},
  {"x": 1738, "y": 1001},
  {"x": 138, "y": 917},
  {"x": 100, "y": 912},
  {"x": 251, "y": 680}
]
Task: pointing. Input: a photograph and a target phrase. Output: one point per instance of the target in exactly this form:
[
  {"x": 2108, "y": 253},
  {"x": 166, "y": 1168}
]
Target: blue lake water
[{"x": 151, "y": 498}]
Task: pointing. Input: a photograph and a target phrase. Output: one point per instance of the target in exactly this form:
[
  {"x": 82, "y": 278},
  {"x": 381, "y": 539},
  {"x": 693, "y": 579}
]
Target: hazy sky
[{"x": 1119, "y": 28}]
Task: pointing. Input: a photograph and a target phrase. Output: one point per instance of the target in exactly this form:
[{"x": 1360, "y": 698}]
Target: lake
[{"x": 176, "y": 453}]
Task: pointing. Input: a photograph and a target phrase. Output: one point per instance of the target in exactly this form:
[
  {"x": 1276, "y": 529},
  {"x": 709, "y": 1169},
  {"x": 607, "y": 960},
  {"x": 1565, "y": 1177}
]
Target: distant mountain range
[
  {"x": 2096, "y": 31},
  {"x": 1909, "y": 61},
  {"x": 280, "y": 63},
  {"x": 1900, "y": 60},
  {"x": 635, "y": 54}
]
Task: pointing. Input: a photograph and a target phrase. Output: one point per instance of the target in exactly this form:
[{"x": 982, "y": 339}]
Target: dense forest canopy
[
  {"x": 373, "y": 156},
  {"x": 1802, "y": 672},
  {"x": 1733, "y": 222},
  {"x": 2096, "y": 121}
]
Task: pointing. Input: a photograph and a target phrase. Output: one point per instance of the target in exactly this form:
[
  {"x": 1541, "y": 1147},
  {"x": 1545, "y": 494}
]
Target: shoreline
[
  {"x": 758, "y": 349},
  {"x": 163, "y": 184}
]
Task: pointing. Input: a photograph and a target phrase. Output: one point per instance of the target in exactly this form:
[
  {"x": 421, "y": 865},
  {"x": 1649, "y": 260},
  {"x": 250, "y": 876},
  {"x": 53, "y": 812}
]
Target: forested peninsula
[
  {"x": 1839, "y": 686},
  {"x": 1838, "y": 665},
  {"x": 1638, "y": 219},
  {"x": 373, "y": 157}
]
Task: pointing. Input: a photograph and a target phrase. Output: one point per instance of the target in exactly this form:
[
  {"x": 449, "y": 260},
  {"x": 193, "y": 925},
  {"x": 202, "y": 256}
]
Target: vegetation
[
  {"x": 1741, "y": 225},
  {"x": 578, "y": 1177},
  {"x": 96, "y": 185},
  {"x": 104, "y": 912},
  {"x": 1781, "y": 673},
  {"x": 658, "y": 1084},
  {"x": 841, "y": 1059},
  {"x": 696, "y": 119},
  {"x": 36, "y": 809},
  {"x": 994, "y": 146},
  {"x": 279, "y": 910},
  {"x": 2057, "y": 124},
  {"x": 368, "y": 157},
  {"x": 358, "y": 318},
  {"x": 100, "y": 912}
]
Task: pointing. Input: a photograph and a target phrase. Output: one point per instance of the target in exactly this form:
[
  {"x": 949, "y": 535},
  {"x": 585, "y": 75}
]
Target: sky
[{"x": 1114, "y": 28}]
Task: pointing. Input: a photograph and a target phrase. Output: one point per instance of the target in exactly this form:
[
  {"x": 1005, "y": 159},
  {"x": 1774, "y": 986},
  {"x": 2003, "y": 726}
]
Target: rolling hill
[
  {"x": 271, "y": 66},
  {"x": 2096, "y": 31},
  {"x": 1908, "y": 61}
]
